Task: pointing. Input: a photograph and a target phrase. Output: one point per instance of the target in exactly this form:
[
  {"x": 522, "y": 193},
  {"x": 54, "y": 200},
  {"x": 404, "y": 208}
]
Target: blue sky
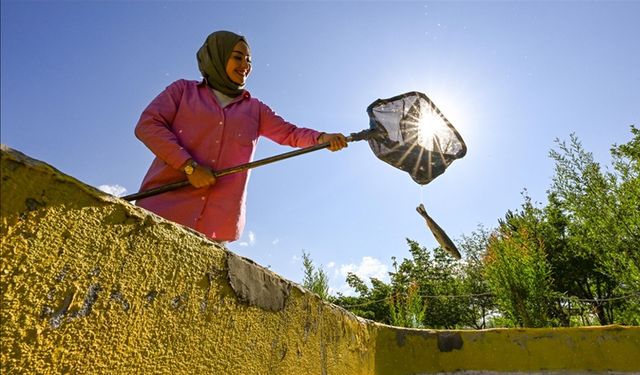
[{"x": 510, "y": 76}]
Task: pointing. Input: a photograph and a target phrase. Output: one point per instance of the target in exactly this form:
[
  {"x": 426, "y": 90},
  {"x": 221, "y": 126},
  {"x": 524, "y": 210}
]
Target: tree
[
  {"x": 425, "y": 290},
  {"x": 596, "y": 233},
  {"x": 314, "y": 280},
  {"x": 447, "y": 306},
  {"x": 407, "y": 308},
  {"x": 573, "y": 260},
  {"x": 371, "y": 303},
  {"x": 480, "y": 300},
  {"x": 625, "y": 263},
  {"x": 518, "y": 272}
]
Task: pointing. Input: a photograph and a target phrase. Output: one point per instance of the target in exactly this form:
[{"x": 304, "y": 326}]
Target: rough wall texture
[{"x": 92, "y": 284}]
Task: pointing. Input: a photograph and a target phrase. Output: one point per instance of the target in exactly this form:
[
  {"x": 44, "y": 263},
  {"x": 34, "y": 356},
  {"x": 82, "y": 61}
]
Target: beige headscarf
[{"x": 212, "y": 61}]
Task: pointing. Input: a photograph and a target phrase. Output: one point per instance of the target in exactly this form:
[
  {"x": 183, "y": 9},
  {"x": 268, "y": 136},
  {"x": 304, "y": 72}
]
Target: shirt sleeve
[
  {"x": 280, "y": 131},
  {"x": 155, "y": 127}
]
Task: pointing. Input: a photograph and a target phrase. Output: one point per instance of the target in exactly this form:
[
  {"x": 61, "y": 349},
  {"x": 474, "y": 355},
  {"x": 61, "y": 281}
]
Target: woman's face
[{"x": 239, "y": 64}]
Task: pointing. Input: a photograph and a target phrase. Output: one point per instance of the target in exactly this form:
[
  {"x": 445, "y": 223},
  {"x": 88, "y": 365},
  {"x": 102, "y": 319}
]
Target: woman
[{"x": 195, "y": 127}]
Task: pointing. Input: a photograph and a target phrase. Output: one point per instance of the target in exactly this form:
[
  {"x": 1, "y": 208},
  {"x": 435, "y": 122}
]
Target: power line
[
  {"x": 421, "y": 295},
  {"x": 566, "y": 298},
  {"x": 626, "y": 296}
]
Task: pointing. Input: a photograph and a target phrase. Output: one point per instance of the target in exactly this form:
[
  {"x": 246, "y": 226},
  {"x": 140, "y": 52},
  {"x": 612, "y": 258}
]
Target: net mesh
[{"x": 414, "y": 136}]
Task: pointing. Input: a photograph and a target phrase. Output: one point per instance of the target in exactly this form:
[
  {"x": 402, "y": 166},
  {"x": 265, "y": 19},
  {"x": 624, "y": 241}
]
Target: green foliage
[
  {"x": 426, "y": 291},
  {"x": 480, "y": 300},
  {"x": 440, "y": 282},
  {"x": 626, "y": 180},
  {"x": 517, "y": 271},
  {"x": 574, "y": 260},
  {"x": 601, "y": 232},
  {"x": 407, "y": 308},
  {"x": 314, "y": 280},
  {"x": 371, "y": 302}
]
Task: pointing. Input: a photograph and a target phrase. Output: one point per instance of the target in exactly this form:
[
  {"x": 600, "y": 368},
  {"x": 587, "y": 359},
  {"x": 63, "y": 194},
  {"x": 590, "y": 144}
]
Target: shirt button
[
  {"x": 220, "y": 122},
  {"x": 202, "y": 198}
]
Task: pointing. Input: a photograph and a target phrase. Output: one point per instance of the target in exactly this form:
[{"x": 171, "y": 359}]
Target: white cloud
[
  {"x": 275, "y": 242},
  {"x": 331, "y": 264},
  {"x": 368, "y": 267},
  {"x": 115, "y": 190},
  {"x": 250, "y": 242}
]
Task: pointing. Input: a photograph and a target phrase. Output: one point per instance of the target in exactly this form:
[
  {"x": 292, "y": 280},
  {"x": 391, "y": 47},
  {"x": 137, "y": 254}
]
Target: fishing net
[
  {"x": 407, "y": 131},
  {"x": 414, "y": 136}
]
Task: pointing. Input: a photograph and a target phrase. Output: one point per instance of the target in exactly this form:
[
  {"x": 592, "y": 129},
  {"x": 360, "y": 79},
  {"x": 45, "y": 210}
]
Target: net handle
[{"x": 353, "y": 137}]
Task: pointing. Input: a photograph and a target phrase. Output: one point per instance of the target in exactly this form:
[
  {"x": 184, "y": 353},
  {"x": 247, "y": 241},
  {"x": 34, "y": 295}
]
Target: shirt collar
[{"x": 245, "y": 94}]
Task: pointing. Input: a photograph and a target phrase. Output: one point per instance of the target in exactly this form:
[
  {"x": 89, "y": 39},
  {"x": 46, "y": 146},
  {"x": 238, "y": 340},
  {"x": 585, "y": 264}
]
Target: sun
[
  {"x": 435, "y": 133},
  {"x": 430, "y": 126}
]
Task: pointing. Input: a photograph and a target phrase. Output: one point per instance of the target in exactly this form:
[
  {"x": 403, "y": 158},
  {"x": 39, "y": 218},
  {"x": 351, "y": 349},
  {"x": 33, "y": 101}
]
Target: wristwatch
[{"x": 190, "y": 167}]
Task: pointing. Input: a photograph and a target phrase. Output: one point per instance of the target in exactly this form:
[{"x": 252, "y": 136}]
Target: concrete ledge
[
  {"x": 93, "y": 284},
  {"x": 563, "y": 350}
]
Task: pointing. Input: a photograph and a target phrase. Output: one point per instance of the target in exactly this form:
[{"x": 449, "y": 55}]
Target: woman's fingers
[
  {"x": 202, "y": 177},
  {"x": 336, "y": 141}
]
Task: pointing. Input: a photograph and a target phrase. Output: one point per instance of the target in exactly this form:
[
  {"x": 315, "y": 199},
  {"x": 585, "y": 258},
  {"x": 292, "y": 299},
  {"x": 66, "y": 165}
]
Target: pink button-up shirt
[{"x": 186, "y": 121}]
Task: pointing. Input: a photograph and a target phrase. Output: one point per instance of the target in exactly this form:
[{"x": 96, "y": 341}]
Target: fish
[{"x": 442, "y": 238}]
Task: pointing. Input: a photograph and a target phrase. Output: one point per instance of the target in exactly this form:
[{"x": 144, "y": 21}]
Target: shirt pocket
[{"x": 245, "y": 130}]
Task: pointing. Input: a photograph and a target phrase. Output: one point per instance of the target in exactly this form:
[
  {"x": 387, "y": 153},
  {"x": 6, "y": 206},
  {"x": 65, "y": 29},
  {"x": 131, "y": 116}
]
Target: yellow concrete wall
[
  {"x": 564, "y": 350},
  {"x": 91, "y": 284}
]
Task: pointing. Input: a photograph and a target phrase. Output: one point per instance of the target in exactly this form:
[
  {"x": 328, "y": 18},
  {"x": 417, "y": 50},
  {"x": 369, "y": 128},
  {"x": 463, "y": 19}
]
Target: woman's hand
[
  {"x": 200, "y": 176},
  {"x": 337, "y": 141}
]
